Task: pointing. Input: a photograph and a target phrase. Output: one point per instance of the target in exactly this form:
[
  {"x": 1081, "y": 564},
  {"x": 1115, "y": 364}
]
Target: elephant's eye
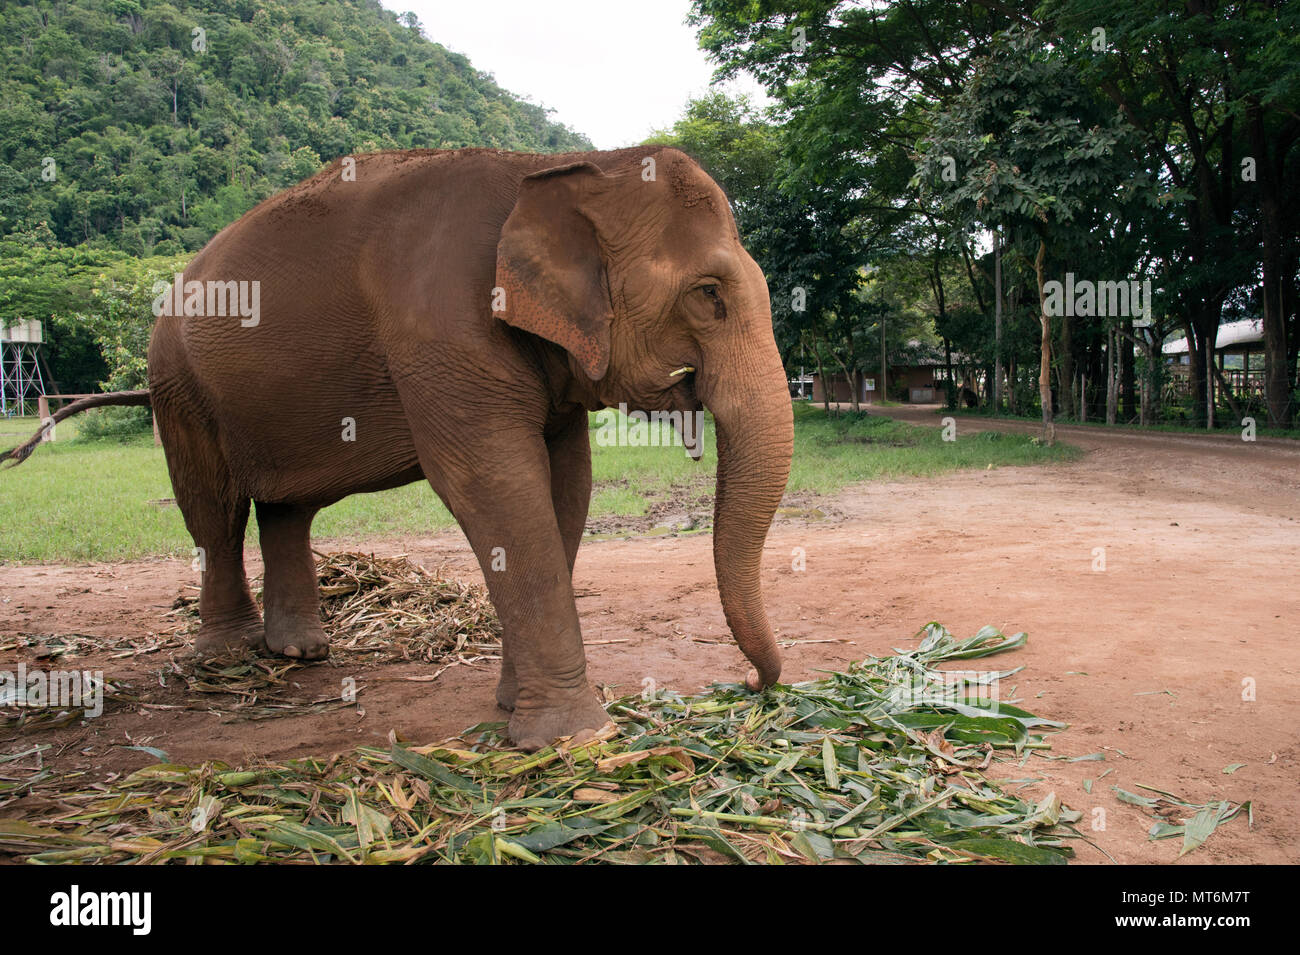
[{"x": 719, "y": 307}]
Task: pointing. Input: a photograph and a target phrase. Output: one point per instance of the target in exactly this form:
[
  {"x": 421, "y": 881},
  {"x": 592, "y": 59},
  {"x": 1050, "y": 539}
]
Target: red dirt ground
[{"x": 1145, "y": 660}]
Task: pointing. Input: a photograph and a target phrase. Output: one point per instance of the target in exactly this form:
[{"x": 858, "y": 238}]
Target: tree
[
  {"x": 1026, "y": 147},
  {"x": 1209, "y": 92},
  {"x": 140, "y": 124},
  {"x": 1214, "y": 90},
  {"x": 118, "y": 138}
]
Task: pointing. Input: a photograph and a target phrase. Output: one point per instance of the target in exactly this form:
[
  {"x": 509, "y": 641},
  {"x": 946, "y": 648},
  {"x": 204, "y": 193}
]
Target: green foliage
[
  {"x": 95, "y": 304},
  {"x": 116, "y": 423},
  {"x": 118, "y": 314},
  {"x": 124, "y": 147},
  {"x": 39, "y": 280},
  {"x": 156, "y": 143},
  {"x": 1030, "y": 146},
  {"x": 846, "y": 765},
  {"x": 1111, "y": 135}
]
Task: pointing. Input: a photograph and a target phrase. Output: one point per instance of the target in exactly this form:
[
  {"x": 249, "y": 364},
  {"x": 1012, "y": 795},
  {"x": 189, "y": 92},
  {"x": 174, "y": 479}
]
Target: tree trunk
[
  {"x": 1045, "y": 359},
  {"x": 1203, "y": 320},
  {"x": 1150, "y": 343},
  {"x": 1112, "y": 375},
  {"x": 1066, "y": 360},
  {"x": 997, "y": 323},
  {"x": 1228, "y": 396},
  {"x": 1209, "y": 385},
  {"x": 1127, "y": 371},
  {"x": 1277, "y": 374},
  {"x": 1012, "y": 368},
  {"x": 827, "y": 384},
  {"x": 950, "y": 384},
  {"x": 849, "y": 378},
  {"x": 1290, "y": 298},
  {"x": 884, "y": 367},
  {"x": 1195, "y": 371}
]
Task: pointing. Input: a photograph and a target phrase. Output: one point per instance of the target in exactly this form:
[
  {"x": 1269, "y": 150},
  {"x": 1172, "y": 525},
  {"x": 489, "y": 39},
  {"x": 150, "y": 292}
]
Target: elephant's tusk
[{"x": 682, "y": 370}]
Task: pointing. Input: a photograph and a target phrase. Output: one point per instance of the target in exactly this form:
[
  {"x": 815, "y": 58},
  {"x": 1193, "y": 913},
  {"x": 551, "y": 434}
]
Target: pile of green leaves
[{"x": 882, "y": 763}]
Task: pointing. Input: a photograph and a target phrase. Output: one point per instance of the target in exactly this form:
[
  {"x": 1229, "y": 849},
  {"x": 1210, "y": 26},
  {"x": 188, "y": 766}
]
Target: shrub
[{"x": 115, "y": 423}]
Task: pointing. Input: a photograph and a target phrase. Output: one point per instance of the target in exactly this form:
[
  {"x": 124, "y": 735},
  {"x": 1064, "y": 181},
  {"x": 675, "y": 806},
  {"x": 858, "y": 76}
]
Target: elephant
[{"x": 453, "y": 316}]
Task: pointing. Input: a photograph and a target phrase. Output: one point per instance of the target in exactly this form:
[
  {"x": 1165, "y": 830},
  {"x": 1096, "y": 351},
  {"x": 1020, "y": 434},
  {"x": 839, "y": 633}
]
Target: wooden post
[
  {"x": 157, "y": 438},
  {"x": 43, "y": 412}
]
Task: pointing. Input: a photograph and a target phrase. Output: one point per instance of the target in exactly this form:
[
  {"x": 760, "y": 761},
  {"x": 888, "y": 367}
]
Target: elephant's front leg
[
  {"x": 568, "y": 448},
  {"x": 505, "y": 506}
]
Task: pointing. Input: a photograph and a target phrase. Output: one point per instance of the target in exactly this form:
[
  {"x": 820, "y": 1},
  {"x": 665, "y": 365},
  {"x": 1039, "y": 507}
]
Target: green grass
[
  {"x": 830, "y": 452},
  {"x": 79, "y": 500}
]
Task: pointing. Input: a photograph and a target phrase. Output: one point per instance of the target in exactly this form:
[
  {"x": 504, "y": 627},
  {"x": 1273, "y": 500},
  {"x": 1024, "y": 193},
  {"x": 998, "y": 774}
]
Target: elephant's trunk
[{"x": 755, "y": 426}]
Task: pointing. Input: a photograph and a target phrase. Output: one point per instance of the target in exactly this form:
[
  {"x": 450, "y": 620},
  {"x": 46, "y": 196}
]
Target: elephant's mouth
[{"x": 681, "y": 396}]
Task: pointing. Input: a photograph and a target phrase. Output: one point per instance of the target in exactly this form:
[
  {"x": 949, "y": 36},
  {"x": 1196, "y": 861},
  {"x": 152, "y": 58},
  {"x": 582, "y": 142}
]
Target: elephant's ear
[{"x": 549, "y": 266}]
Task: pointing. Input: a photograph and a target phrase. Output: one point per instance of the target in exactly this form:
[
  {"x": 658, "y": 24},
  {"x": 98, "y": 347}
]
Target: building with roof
[{"x": 1239, "y": 353}]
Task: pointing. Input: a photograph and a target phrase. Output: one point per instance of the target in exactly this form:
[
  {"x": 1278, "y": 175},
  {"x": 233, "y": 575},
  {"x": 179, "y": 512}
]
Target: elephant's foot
[
  {"x": 507, "y": 691},
  {"x": 297, "y": 639},
  {"x": 532, "y": 728},
  {"x": 224, "y": 639}
]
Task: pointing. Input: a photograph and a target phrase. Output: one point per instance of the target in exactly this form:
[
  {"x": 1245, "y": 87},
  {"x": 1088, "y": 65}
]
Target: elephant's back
[{"x": 362, "y": 276}]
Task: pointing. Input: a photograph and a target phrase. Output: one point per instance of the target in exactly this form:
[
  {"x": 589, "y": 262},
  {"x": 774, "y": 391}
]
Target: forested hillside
[
  {"x": 131, "y": 131},
  {"x": 166, "y": 120}
]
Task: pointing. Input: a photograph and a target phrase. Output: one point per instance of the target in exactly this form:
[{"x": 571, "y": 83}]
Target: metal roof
[{"x": 1231, "y": 333}]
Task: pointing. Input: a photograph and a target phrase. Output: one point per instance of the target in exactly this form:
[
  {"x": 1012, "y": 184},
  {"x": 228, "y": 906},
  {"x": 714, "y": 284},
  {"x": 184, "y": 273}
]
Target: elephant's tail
[{"x": 18, "y": 455}]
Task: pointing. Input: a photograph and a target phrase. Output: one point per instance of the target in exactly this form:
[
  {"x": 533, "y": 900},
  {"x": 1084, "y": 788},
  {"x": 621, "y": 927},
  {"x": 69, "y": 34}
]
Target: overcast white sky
[{"x": 615, "y": 70}]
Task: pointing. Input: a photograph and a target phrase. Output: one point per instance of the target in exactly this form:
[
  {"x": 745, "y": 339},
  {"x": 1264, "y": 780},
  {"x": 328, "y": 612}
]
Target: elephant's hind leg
[
  {"x": 290, "y": 597},
  {"x": 216, "y": 516}
]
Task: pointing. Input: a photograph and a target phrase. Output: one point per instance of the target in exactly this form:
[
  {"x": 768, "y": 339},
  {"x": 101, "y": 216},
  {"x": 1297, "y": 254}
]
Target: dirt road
[
  {"x": 1177, "y": 659},
  {"x": 1199, "y": 465}
]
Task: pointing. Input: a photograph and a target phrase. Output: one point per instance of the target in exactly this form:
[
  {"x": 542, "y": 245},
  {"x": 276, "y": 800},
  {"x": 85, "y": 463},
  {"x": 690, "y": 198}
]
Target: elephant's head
[{"x": 638, "y": 272}]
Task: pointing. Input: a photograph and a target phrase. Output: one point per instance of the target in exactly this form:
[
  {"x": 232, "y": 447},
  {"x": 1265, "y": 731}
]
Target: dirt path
[
  {"x": 1201, "y": 466},
  {"x": 1146, "y": 659}
]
